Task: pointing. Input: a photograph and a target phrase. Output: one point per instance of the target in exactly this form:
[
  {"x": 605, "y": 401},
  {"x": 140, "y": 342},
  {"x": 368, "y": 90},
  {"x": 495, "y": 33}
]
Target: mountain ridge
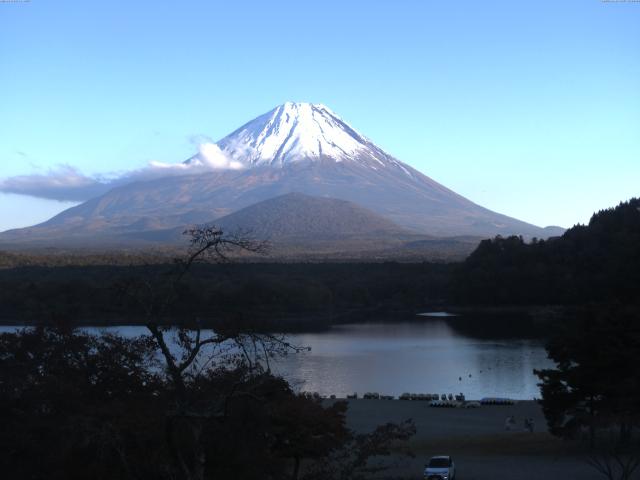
[{"x": 278, "y": 156}]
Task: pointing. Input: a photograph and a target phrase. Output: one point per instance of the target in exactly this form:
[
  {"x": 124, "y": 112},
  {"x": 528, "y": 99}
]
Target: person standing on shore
[
  {"x": 509, "y": 423},
  {"x": 528, "y": 425}
]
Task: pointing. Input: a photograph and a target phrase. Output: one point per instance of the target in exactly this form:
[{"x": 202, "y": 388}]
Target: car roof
[{"x": 441, "y": 456}]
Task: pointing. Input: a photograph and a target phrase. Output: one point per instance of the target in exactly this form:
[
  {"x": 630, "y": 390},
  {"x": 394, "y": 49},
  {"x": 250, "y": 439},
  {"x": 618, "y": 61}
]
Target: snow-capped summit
[
  {"x": 296, "y": 132},
  {"x": 293, "y": 132}
]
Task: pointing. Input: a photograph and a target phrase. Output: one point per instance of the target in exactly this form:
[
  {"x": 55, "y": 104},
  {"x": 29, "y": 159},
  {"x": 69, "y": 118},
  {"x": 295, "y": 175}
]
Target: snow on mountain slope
[{"x": 297, "y": 132}]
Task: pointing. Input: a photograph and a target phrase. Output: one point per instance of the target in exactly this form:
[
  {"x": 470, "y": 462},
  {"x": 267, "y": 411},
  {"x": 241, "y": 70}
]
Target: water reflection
[
  {"x": 392, "y": 358},
  {"x": 428, "y": 357}
]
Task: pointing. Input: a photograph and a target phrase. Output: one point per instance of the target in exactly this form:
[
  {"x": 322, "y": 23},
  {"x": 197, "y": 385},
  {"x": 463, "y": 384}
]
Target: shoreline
[{"x": 313, "y": 322}]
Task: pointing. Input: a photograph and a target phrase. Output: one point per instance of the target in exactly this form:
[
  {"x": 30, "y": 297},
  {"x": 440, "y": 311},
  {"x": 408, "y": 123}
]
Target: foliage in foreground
[
  {"x": 178, "y": 403},
  {"x": 75, "y": 405},
  {"x": 593, "y": 394},
  {"x": 596, "y": 383}
]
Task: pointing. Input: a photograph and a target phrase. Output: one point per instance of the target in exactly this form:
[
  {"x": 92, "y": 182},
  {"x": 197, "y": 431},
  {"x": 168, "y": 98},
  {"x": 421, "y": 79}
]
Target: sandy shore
[{"x": 476, "y": 439}]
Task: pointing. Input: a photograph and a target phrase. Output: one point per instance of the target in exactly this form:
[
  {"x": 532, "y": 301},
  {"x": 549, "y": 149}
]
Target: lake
[{"x": 414, "y": 356}]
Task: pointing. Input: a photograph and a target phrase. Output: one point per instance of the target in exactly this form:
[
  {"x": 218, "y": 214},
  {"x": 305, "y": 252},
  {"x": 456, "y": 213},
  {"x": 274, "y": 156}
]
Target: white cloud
[
  {"x": 62, "y": 183},
  {"x": 212, "y": 157},
  {"x": 66, "y": 183}
]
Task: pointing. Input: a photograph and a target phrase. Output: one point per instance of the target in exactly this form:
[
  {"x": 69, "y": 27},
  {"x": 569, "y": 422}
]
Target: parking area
[{"x": 476, "y": 439}]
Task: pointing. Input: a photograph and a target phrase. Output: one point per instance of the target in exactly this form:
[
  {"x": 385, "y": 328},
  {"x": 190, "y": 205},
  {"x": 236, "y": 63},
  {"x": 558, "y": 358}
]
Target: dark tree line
[
  {"x": 282, "y": 296},
  {"x": 599, "y": 262}
]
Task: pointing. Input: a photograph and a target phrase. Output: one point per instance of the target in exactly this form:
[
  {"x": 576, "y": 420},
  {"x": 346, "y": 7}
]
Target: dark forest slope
[{"x": 589, "y": 263}]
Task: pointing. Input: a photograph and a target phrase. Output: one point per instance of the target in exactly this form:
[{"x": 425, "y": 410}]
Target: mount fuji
[
  {"x": 296, "y": 147},
  {"x": 295, "y": 132}
]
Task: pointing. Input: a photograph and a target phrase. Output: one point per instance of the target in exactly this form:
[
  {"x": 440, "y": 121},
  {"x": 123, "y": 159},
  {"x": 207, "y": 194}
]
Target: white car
[{"x": 440, "y": 468}]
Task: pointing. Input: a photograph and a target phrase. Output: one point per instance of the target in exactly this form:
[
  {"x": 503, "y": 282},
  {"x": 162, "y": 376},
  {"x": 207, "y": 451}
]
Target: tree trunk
[
  {"x": 592, "y": 428},
  {"x": 199, "y": 456},
  {"x": 296, "y": 467},
  {"x": 174, "y": 450},
  {"x": 625, "y": 434}
]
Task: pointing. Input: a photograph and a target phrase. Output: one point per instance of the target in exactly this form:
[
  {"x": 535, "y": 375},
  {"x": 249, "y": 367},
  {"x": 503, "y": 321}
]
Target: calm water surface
[{"x": 420, "y": 357}]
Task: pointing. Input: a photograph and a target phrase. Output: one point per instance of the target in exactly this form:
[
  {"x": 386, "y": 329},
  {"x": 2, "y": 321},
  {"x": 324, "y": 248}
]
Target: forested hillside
[{"x": 593, "y": 263}]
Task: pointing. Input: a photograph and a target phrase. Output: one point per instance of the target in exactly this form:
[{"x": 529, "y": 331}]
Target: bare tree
[
  {"x": 195, "y": 350},
  {"x": 614, "y": 464}
]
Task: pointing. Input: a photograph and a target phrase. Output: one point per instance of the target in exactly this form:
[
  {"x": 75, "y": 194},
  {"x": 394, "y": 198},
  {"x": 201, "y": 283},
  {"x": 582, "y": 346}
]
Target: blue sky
[{"x": 531, "y": 109}]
